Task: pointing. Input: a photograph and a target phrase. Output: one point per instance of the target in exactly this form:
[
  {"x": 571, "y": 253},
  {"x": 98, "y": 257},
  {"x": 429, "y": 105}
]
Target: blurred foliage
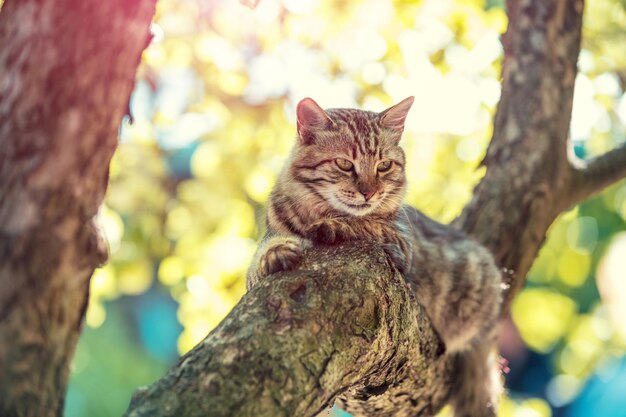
[
  {"x": 109, "y": 364},
  {"x": 213, "y": 120}
]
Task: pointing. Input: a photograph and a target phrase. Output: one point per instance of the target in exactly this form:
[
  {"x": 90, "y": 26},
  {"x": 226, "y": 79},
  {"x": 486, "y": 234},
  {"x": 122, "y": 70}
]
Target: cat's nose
[{"x": 368, "y": 194}]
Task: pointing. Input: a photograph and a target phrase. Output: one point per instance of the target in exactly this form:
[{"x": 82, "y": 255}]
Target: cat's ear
[
  {"x": 394, "y": 117},
  {"x": 311, "y": 117}
]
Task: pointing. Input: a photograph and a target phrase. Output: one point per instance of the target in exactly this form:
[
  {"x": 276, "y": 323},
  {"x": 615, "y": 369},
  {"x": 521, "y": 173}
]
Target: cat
[{"x": 345, "y": 180}]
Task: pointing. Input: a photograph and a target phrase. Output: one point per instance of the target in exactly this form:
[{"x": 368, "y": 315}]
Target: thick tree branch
[
  {"x": 344, "y": 323},
  {"x": 591, "y": 176}
]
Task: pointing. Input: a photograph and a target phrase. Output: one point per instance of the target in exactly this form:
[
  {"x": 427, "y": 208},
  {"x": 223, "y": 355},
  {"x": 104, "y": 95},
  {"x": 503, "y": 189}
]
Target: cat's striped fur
[{"x": 345, "y": 180}]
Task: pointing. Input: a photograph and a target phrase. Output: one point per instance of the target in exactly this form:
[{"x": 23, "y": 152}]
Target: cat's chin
[
  {"x": 353, "y": 209},
  {"x": 358, "y": 209}
]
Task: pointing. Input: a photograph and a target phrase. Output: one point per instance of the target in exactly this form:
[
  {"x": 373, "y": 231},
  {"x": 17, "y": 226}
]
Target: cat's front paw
[
  {"x": 280, "y": 256},
  {"x": 331, "y": 231}
]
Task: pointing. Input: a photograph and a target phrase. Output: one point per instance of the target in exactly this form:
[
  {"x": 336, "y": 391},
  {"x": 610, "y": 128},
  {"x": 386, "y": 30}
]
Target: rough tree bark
[
  {"x": 66, "y": 72},
  {"x": 345, "y": 322},
  {"x": 529, "y": 175}
]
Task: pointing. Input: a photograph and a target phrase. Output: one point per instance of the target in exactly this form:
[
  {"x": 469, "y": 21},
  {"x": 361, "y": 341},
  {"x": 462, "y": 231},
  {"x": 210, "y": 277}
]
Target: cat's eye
[
  {"x": 384, "y": 166},
  {"x": 344, "y": 164}
]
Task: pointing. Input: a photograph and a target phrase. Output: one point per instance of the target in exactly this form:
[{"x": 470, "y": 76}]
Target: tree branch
[
  {"x": 343, "y": 324},
  {"x": 591, "y": 176}
]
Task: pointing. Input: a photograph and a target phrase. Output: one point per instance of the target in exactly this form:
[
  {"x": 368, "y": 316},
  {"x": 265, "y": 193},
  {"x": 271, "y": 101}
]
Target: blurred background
[{"x": 212, "y": 119}]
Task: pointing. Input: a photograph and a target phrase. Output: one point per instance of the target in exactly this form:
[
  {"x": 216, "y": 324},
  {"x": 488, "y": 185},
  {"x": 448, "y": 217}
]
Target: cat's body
[{"x": 345, "y": 181}]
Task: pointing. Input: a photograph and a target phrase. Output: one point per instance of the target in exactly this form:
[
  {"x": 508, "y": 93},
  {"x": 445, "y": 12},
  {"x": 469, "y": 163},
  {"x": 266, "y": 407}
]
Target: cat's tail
[{"x": 478, "y": 382}]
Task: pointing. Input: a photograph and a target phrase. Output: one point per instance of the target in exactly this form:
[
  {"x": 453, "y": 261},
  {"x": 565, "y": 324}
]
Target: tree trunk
[{"x": 66, "y": 72}]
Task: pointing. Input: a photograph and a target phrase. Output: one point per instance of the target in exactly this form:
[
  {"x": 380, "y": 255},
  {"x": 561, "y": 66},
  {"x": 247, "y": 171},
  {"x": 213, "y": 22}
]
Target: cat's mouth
[
  {"x": 355, "y": 208},
  {"x": 358, "y": 206},
  {"x": 359, "y": 209}
]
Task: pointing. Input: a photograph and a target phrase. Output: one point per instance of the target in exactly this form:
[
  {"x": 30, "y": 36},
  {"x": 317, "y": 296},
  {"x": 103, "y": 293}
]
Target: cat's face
[{"x": 350, "y": 159}]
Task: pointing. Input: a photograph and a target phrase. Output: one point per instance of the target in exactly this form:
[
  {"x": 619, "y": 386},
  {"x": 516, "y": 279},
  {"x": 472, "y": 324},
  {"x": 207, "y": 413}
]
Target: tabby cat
[{"x": 345, "y": 180}]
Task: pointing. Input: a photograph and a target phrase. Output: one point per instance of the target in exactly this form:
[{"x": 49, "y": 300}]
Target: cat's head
[{"x": 351, "y": 159}]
